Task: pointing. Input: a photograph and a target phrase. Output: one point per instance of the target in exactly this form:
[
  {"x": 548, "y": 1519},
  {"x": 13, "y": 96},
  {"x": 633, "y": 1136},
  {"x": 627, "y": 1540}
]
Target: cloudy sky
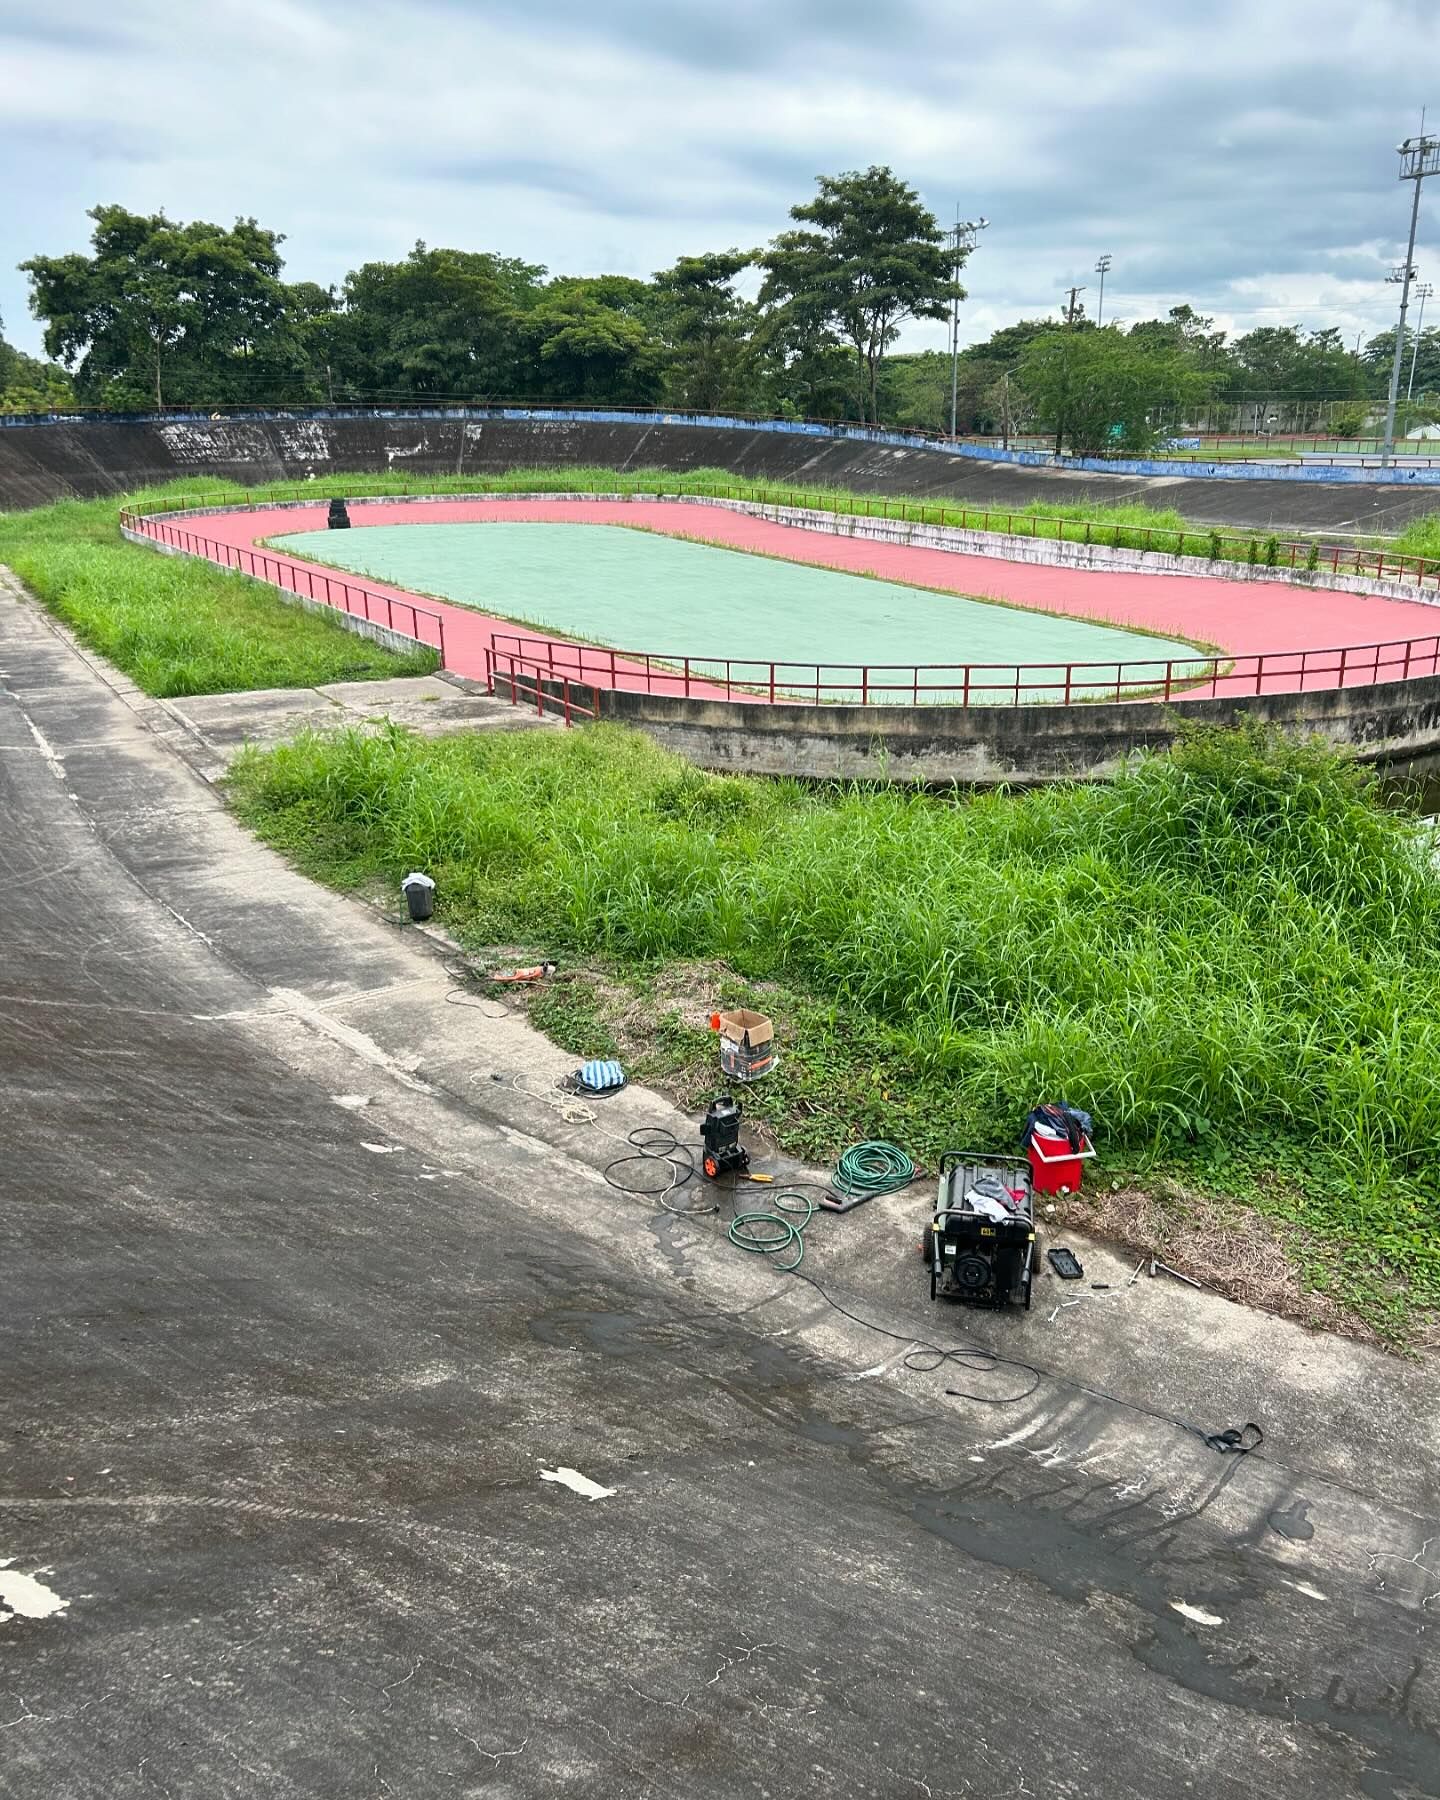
[{"x": 1239, "y": 155}]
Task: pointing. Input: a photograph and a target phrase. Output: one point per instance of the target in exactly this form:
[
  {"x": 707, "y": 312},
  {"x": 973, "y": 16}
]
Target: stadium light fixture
[
  {"x": 1419, "y": 157},
  {"x": 1102, "y": 269},
  {"x": 1424, "y": 289}
]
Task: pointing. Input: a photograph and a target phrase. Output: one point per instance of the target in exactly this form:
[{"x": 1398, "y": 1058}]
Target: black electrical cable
[{"x": 973, "y": 1357}]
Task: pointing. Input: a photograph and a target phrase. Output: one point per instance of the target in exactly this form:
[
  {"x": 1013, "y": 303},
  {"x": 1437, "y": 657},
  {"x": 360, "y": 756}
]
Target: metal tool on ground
[
  {"x": 980, "y": 1244},
  {"x": 1066, "y": 1264},
  {"x": 1159, "y": 1268},
  {"x": 724, "y": 1154},
  {"x": 865, "y": 1171}
]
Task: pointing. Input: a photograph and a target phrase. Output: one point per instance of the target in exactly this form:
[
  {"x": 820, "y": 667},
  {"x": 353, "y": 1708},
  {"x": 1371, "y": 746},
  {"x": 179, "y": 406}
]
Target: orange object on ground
[{"x": 535, "y": 972}]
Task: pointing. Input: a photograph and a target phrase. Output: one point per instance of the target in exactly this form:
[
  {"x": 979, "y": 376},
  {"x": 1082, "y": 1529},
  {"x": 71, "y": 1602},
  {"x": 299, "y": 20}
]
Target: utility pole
[
  {"x": 1072, "y": 312},
  {"x": 964, "y": 235},
  {"x": 1419, "y": 157},
  {"x": 1102, "y": 269},
  {"x": 1424, "y": 289}
]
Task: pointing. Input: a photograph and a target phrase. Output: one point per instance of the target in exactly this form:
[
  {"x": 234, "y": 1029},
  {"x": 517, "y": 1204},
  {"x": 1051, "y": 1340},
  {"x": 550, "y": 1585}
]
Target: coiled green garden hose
[
  {"x": 773, "y": 1232},
  {"x": 871, "y": 1168}
]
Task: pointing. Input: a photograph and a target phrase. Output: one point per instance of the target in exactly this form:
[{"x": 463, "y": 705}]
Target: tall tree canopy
[
  {"x": 868, "y": 256},
  {"x": 1099, "y": 391},
  {"x": 157, "y": 300}
]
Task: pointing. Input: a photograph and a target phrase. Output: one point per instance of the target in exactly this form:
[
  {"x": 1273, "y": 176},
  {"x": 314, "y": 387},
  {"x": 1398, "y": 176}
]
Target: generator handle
[{"x": 950, "y": 1159}]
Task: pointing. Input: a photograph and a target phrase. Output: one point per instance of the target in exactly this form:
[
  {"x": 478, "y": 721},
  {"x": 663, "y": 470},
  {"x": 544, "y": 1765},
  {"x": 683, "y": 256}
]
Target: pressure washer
[{"x": 720, "y": 1136}]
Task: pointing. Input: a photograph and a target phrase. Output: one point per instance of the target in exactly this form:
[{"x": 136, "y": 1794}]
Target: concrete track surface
[
  {"x": 40, "y": 463},
  {"x": 302, "y": 1299}
]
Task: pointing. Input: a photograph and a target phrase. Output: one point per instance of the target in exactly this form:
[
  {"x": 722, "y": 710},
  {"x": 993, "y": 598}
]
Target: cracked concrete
[{"x": 275, "y": 1408}]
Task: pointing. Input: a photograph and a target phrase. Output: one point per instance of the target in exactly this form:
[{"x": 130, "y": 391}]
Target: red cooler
[{"x": 1054, "y": 1167}]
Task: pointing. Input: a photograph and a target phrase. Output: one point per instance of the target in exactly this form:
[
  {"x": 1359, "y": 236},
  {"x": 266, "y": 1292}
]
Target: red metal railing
[
  {"x": 401, "y": 616},
  {"x": 570, "y": 667},
  {"x": 525, "y": 680},
  {"x": 740, "y": 679},
  {"x": 1191, "y": 543}
]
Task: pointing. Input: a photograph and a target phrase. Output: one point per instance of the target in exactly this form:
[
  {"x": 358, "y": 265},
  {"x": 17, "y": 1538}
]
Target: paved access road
[{"x": 299, "y": 1305}]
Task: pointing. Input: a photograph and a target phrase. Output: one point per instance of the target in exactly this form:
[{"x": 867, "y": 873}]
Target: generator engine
[{"x": 980, "y": 1245}]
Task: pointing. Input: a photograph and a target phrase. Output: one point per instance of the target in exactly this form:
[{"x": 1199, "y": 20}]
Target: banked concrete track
[{"x": 51, "y": 460}]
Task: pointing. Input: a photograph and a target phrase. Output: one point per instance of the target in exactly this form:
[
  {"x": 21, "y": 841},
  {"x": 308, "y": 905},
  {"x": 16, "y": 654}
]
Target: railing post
[
  {"x": 1341, "y": 681},
  {"x": 865, "y": 684}
]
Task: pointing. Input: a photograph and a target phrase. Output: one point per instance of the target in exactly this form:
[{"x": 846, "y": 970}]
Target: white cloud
[{"x": 1237, "y": 157}]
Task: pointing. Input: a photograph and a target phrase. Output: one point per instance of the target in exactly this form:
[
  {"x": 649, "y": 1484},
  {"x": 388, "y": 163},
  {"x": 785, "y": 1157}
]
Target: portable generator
[
  {"x": 720, "y": 1136},
  {"x": 980, "y": 1244}
]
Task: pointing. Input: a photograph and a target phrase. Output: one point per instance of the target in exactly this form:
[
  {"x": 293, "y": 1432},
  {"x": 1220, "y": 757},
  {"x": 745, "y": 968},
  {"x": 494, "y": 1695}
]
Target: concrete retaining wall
[
  {"x": 1062, "y": 553},
  {"x": 1392, "y": 724},
  {"x": 46, "y": 460}
]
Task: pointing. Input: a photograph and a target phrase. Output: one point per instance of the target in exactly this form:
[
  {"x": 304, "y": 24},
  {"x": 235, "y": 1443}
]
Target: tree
[
  {"x": 1182, "y": 328},
  {"x": 707, "y": 327},
  {"x": 160, "y": 302},
  {"x": 1281, "y": 362},
  {"x": 585, "y": 350},
  {"x": 1105, "y": 393},
  {"x": 1378, "y": 356},
  {"x": 28, "y": 385},
  {"x": 442, "y": 324},
  {"x": 869, "y": 257}
]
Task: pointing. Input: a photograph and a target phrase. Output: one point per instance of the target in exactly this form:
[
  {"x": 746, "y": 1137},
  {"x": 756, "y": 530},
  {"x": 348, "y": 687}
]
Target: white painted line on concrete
[
  {"x": 577, "y": 1483},
  {"x": 52, "y": 757},
  {"x": 24, "y": 1595},
  {"x": 1197, "y": 1613},
  {"x": 1019, "y": 1437},
  {"x": 315, "y": 1016}
]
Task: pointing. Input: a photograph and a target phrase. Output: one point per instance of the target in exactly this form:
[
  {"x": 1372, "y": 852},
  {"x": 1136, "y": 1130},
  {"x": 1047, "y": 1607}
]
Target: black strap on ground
[{"x": 1239, "y": 1440}]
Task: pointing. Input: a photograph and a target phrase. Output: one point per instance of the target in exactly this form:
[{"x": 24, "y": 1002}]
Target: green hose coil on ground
[
  {"x": 871, "y": 1168},
  {"x": 773, "y": 1232}
]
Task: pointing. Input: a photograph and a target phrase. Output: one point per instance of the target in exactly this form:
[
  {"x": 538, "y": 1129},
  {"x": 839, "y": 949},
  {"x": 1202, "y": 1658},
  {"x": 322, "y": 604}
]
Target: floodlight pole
[
  {"x": 1102, "y": 269},
  {"x": 964, "y": 235},
  {"x": 1419, "y": 157},
  {"x": 1424, "y": 289}
]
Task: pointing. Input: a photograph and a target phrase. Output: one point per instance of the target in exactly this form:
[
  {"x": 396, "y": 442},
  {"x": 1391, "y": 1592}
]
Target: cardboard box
[{"x": 749, "y": 1029}]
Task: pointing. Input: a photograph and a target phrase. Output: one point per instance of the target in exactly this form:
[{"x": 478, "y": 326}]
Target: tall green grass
[
  {"x": 1231, "y": 955},
  {"x": 179, "y": 627}
]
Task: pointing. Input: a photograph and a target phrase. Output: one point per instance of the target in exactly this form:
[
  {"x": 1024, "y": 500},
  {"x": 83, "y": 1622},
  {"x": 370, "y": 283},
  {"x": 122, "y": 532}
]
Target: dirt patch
[{"x": 1228, "y": 1247}]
